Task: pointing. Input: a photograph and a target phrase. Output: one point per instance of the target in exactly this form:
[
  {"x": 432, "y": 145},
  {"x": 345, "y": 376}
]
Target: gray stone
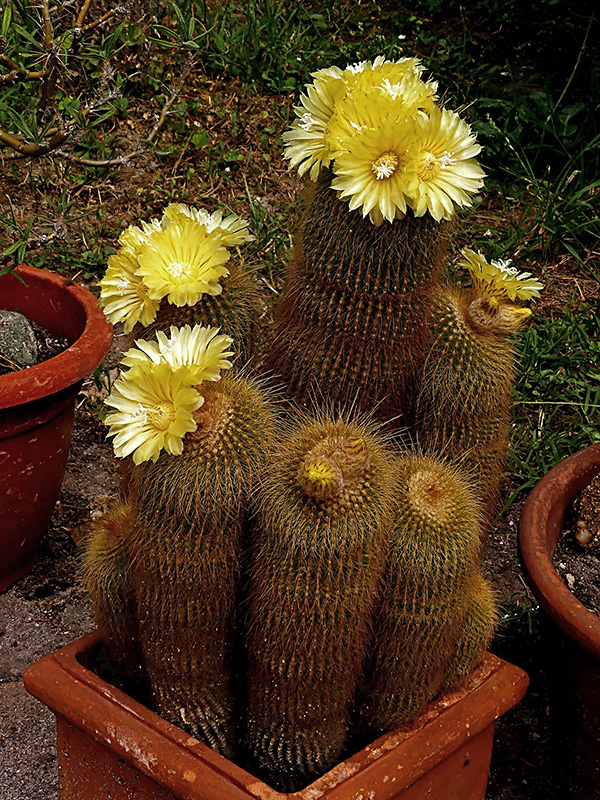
[{"x": 18, "y": 344}]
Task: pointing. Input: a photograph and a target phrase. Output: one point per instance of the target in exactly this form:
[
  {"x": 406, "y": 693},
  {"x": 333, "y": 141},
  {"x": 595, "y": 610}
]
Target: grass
[
  {"x": 189, "y": 103},
  {"x": 557, "y": 396}
]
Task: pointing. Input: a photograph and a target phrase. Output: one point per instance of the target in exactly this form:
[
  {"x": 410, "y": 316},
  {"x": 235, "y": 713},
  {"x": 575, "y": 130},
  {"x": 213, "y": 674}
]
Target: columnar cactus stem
[
  {"x": 323, "y": 521},
  {"x": 426, "y": 621},
  {"x": 464, "y": 400},
  {"x": 183, "y": 557},
  {"x": 352, "y": 324}
]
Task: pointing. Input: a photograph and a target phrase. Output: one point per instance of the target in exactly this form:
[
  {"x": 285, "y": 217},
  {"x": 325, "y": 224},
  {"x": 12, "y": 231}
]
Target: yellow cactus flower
[
  {"x": 232, "y": 229},
  {"x": 356, "y": 112},
  {"x": 447, "y": 172},
  {"x": 379, "y": 172},
  {"x": 123, "y": 295},
  {"x": 134, "y": 237},
  {"x": 343, "y": 109},
  {"x": 306, "y": 145},
  {"x": 154, "y": 411},
  {"x": 498, "y": 278},
  {"x": 203, "y": 352},
  {"x": 182, "y": 262},
  {"x": 400, "y": 81}
]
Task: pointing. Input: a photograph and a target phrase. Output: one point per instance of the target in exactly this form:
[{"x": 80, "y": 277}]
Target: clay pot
[
  {"x": 112, "y": 746},
  {"x": 37, "y": 407},
  {"x": 571, "y": 632}
]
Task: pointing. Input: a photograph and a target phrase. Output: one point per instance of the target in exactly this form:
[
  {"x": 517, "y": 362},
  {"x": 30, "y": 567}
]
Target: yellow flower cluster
[
  {"x": 155, "y": 399},
  {"x": 390, "y": 147},
  {"x": 498, "y": 279},
  {"x": 179, "y": 257}
]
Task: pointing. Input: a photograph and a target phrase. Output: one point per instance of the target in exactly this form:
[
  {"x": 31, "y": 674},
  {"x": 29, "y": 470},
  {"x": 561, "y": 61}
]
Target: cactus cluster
[{"x": 290, "y": 583}]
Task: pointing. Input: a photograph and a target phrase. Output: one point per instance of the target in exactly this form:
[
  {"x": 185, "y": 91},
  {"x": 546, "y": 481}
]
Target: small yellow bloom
[
  {"x": 154, "y": 411},
  {"x": 306, "y": 144},
  {"x": 201, "y": 351},
  {"x": 400, "y": 81},
  {"x": 134, "y": 237},
  {"x": 447, "y": 173},
  {"x": 123, "y": 295},
  {"x": 378, "y": 173},
  {"x": 498, "y": 278},
  {"x": 182, "y": 262},
  {"x": 232, "y": 229}
]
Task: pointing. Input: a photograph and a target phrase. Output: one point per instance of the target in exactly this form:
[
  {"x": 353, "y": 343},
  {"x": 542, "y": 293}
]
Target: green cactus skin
[
  {"x": 185, "y": 551},
  {"x": 432, "y": 573},
  {"x": 464, "y": 401},
  {"x": 322, "y": 523},
  {"x": 235, "y": 311},
  {"x": 352, "y": 323}
]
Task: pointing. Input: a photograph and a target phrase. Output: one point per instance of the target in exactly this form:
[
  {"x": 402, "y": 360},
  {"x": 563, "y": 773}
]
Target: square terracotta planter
[{"x": 110, "y": 746}]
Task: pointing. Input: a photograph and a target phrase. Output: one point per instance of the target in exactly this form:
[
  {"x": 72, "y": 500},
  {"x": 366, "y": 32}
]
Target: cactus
[
  {"x": 352, "y": 323},
  {"x": 183, "y": 553},
  {"x": 323, "y": 519},
  {"x": 426, "y": 620},
  {"x": 476, "y": 633},
  {"x": 106, "y": 571},
  {"x": 466, "y": 386},
  {"x": 235, "y": 311}
]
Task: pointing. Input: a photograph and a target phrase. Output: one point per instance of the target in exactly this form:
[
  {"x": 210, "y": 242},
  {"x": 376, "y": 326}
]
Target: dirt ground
[{"x": 48, "y": 608}]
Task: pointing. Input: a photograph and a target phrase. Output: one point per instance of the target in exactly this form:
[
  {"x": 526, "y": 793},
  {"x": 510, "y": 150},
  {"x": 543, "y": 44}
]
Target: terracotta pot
[
  {"x": 571, "y": 632},
  {"x": 112, "y": 746},
  {"x": 37, "y": 407}
]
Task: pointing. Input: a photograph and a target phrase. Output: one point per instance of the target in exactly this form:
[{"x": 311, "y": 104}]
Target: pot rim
[
  {"x": 539, "y": 530},
  {"x": 188, "y": 768},
  {"x": 73, "y": 364}
]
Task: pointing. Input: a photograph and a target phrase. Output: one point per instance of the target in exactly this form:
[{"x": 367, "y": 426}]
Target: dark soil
[{"x": 577, "y": 555}]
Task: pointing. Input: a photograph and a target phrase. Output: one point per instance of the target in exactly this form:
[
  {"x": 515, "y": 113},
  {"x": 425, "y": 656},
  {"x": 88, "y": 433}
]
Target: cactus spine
[
  {"x": 426, "y": 620},
  {"x": 323, "y": 519},
  {"x": 464, "y": 401},
  {"x": 184, "y": 555},
  {"x": 352, "y": 324}
]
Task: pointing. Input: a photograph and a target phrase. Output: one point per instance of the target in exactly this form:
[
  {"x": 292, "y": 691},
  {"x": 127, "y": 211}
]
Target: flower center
[
  {"x": 159, "y": 416},
  {"x": 307, "y": 121},
  {"x": 385, "y": 166},
  {"x": 179, "y": 269},
  {"x": 504, "y": 266},
  {"x": 430, "y": 165}
]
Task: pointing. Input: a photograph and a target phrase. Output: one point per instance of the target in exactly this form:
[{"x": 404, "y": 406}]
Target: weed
[{"x": 557, "y": 397}]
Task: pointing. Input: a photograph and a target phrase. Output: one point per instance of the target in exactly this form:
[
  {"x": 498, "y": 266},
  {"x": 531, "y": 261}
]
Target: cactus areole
[{"x": 37, "y": 407}]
